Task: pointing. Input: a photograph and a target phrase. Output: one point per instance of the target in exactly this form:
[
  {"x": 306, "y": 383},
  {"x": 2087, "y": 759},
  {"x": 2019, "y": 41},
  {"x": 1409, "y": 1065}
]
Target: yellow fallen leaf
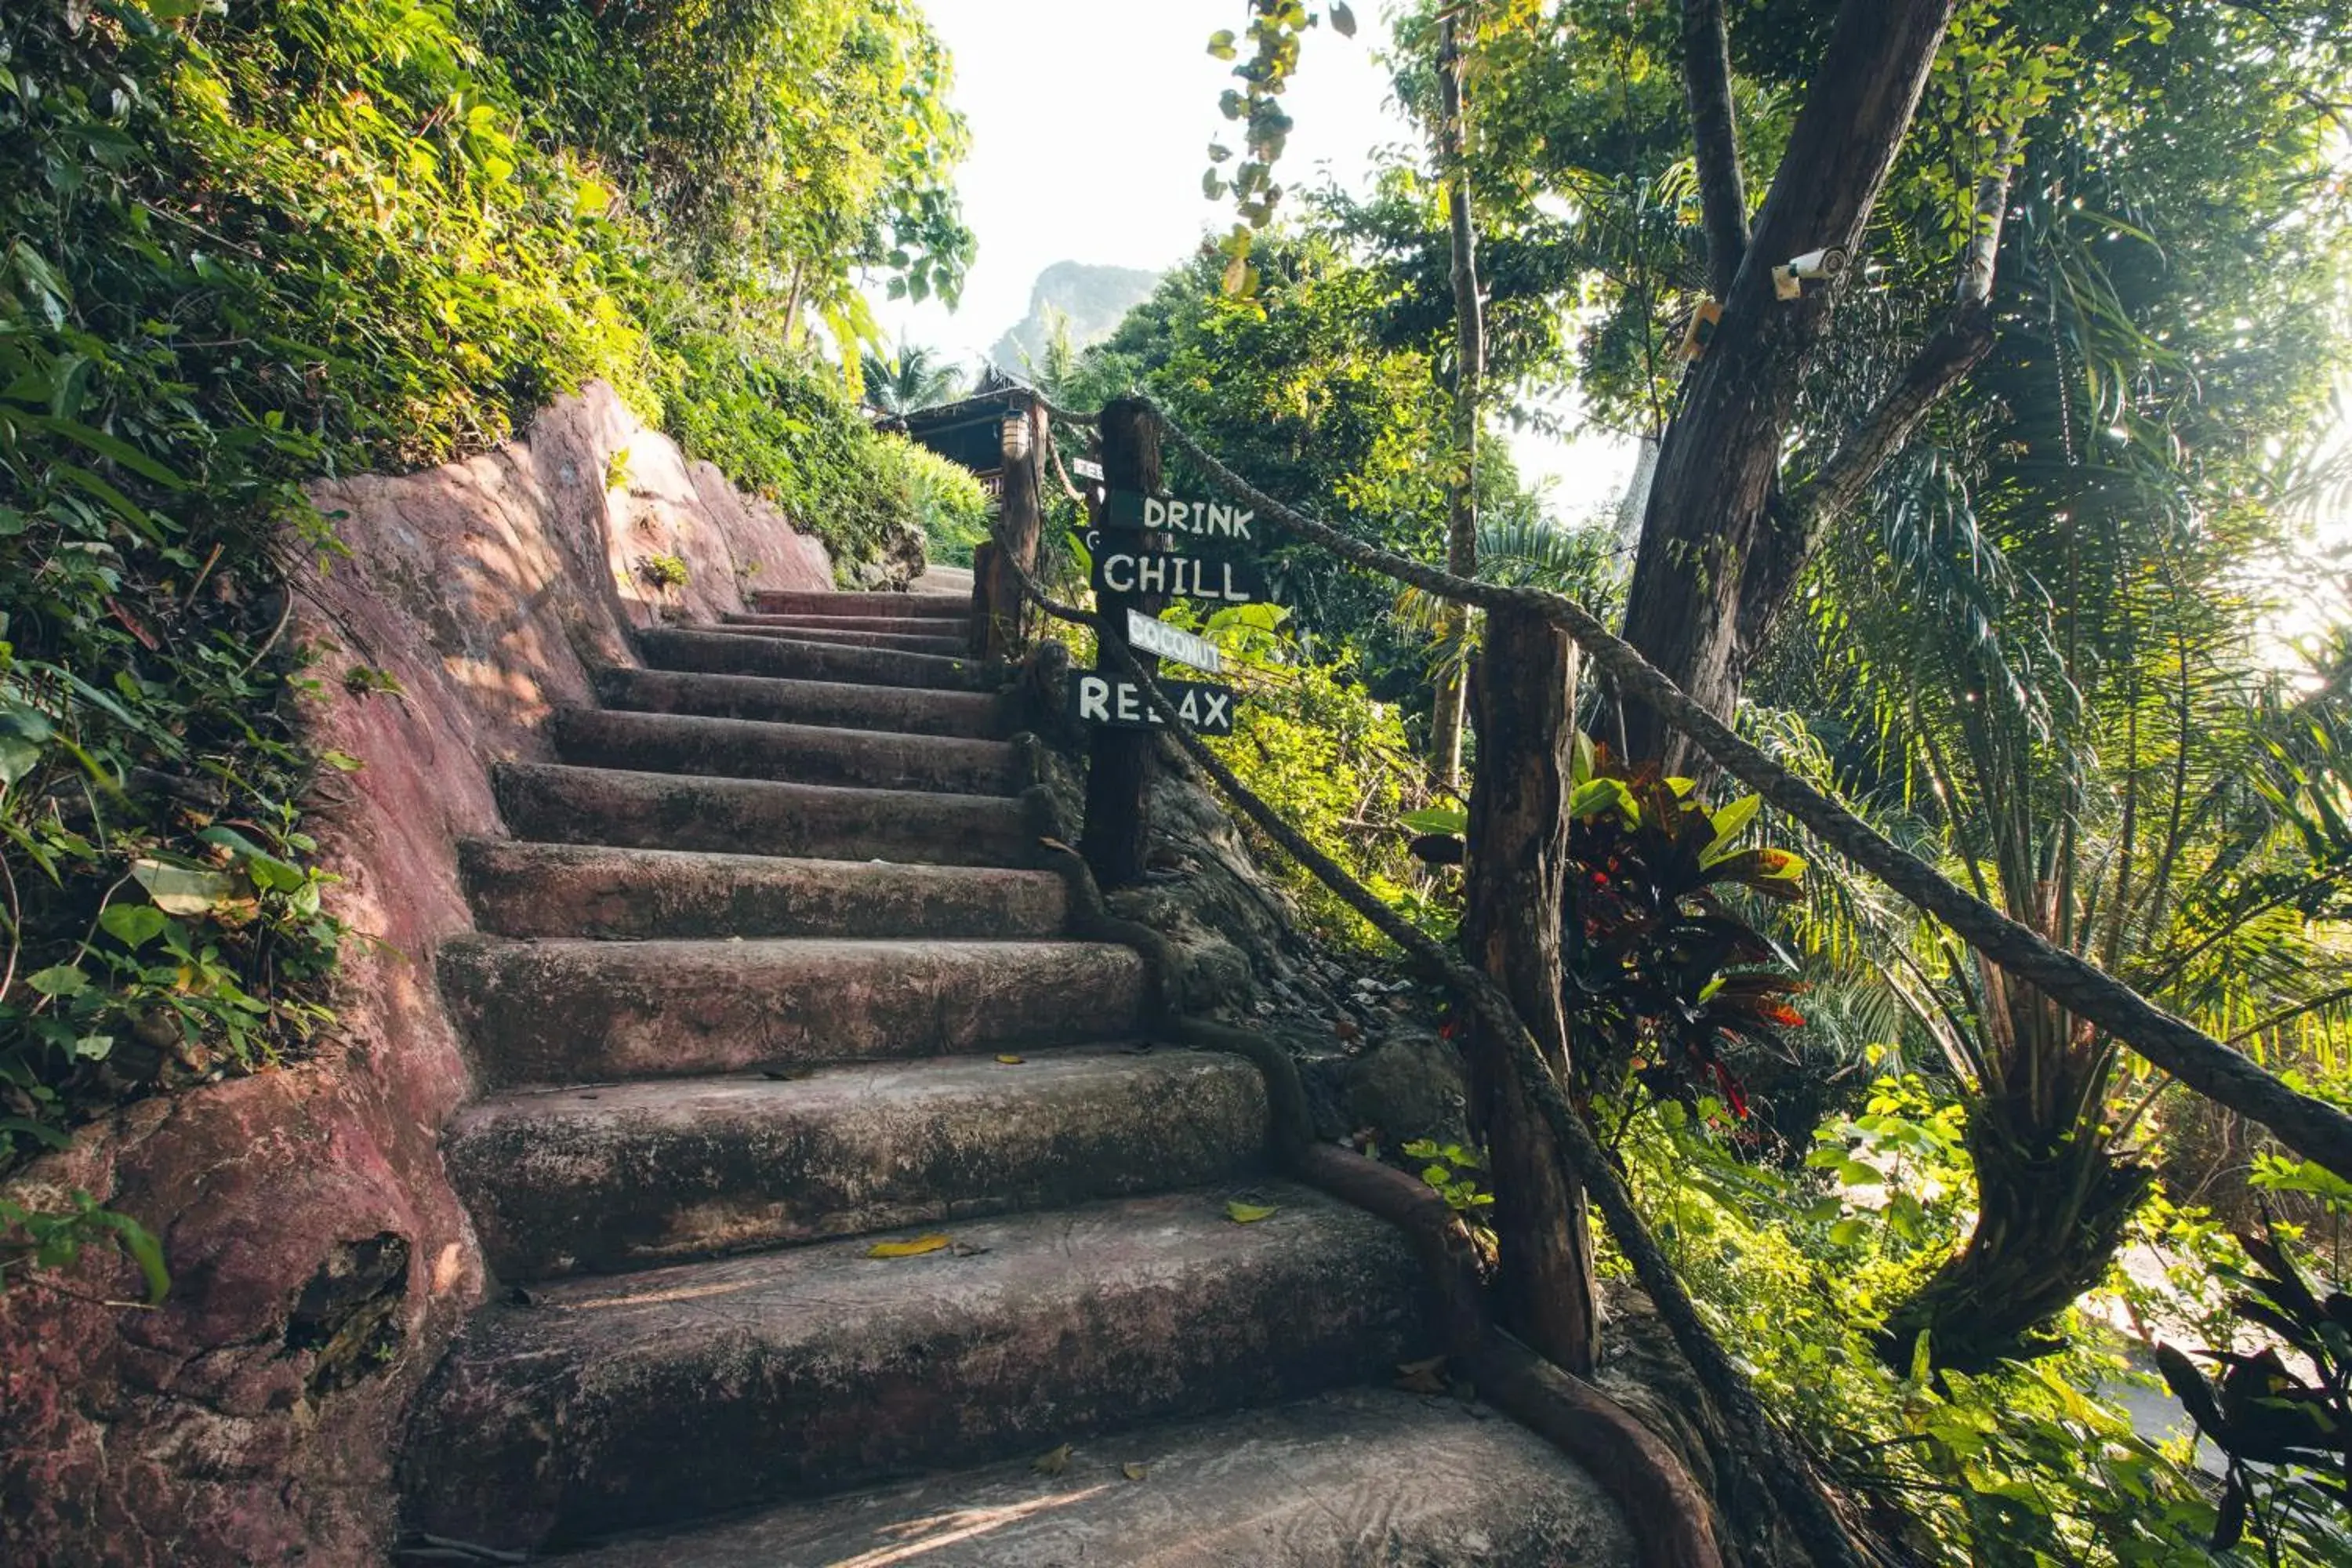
[
  {"x": 1052, "y": 1464},
  {"x": 1133, "y": 1472},
  {"x": 1057, "y": 844},
  {"x": 1422, "y": 1376},
  {"x": 913, "y": 1248},
  {"x": 1009, "y": 1059},
  {"x": 1241, "y": 1213}
]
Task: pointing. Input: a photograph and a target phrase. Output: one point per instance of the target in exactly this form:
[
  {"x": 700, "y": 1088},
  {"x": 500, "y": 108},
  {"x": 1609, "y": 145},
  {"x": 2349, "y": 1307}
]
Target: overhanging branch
[{"x": 1715, "y": 137}]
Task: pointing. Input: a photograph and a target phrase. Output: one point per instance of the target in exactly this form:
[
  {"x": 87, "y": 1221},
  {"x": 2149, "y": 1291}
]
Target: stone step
[
  {"x": 954, "y": 645},
  {"x": 642, "y": 1400},
  {"x": 712, "y": 652},
  {"x": 759, "y": 817},
  {"x": 523, "y": 888},
  {"x": 895, "y": 625},
  {"x": 841, "y": 705},
  {"x": 1358, "y": 1476},
  {"x": 795, "y": 753},
  {"x": 940, "y": 578},
  {"x": 947, "y": 606},
  {"x": 564, "y": 1011},
  {"x": 631, "y": 1175}
]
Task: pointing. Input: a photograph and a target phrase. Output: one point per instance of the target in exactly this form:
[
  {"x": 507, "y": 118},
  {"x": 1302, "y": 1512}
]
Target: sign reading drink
[
  {"x": 1098, "y": 699},
  {"x": 1172, "y": 642},
  {"x": 1164, "y": 514},
  {"x": 1218, "y": 579}
]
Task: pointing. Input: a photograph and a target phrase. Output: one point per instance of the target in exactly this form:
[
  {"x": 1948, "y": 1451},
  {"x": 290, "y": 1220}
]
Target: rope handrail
[
  {"x": 2308, "y": 1125},
  {"x": 1798, "y": 1487}
]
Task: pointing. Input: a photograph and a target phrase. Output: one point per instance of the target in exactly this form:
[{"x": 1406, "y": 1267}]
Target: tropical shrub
[{"x": 242, "y": 247}]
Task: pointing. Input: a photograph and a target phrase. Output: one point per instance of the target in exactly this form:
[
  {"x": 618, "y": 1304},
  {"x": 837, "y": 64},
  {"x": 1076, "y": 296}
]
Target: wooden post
[
  {"x": 1119, "y": 767},
  {"x": 1000, "y": 615},
  {"x": 1526, "y": 698}
]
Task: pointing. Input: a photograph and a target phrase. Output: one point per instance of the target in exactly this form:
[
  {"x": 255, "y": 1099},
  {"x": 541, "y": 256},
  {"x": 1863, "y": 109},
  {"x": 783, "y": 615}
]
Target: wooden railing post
[
  {"x": 1118, "y": 766},
  {"x": 1517, "y": 885},
  {"x": 1000, "y": 616}
]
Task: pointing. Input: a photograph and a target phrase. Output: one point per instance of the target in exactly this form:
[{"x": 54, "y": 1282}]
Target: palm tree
[{"x": 911, "y": 378}]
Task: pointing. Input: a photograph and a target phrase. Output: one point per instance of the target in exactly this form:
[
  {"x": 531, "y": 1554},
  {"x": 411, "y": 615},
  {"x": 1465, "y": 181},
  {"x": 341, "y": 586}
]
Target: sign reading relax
[
  {"x": 1098, "y": 699},
  {"x": 1169, "y": 514},
  {"x": 1220, "y": 579}
]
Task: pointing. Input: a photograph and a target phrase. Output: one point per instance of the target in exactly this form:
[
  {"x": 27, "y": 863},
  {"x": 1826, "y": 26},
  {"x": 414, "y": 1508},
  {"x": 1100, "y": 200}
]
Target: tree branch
[
  {"x": 2309, "y": 1126},
  {"x": 1943, "y": 361},
  {"x": 1715, "y": 137}
]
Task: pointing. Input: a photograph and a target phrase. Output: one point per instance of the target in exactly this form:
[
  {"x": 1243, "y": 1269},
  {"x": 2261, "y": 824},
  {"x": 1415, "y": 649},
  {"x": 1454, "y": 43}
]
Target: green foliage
[
  {"x": 240, "y": 248},
  {"x": 1312, "y": 743},
  {"x": 37, "y": 1241},
  {"x": 2023, "y": 1465},
  {"x": 956, "y": 513}
]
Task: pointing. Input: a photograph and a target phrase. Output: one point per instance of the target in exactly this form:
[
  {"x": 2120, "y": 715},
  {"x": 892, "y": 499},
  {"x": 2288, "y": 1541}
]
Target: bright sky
[{"x": 1090, "y": 123}]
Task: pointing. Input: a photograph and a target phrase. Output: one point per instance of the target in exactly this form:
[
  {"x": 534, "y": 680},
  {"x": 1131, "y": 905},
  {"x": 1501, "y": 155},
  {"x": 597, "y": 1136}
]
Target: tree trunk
[
  {"x": 1469, "y": 372},
  {"x": 2051, "y": 1212},
  {"x": 1713, "y": 565},
  {"x": 1118, "y": 762},
  {"x": 1517, "y": 890},
  {"x": 1000, "y": 611}
]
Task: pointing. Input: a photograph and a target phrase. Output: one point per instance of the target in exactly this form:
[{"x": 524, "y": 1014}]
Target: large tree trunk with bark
[
  {"x": 1469, "y": 373},
  {"x": 1526, "y": 690},
  {"x": 1717, "y": 556}
]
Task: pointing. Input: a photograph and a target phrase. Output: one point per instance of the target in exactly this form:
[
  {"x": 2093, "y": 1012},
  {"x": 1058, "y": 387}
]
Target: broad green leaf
[
  {"x": 58, "y": 980},
  {"x": 185, "y": 891},
  {"x": 133, "y": 925},
  {"x": 1241, "y": 1213},
  {"x": 1436, "y": 819}
]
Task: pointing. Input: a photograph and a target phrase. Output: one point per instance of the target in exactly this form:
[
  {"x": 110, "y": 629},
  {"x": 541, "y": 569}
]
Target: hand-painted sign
[
  {"x": 1170, "y": 642},
  {"x": 1168, "y": 514},
  {"x": 1098, "y": 699},
  {"x": 1087, "y": 469},
  {"x": 1219, "y": 579}
]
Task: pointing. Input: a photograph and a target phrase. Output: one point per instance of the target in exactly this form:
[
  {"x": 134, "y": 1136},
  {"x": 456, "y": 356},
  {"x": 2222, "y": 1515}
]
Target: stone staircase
[{"x": 768, "y": 972}]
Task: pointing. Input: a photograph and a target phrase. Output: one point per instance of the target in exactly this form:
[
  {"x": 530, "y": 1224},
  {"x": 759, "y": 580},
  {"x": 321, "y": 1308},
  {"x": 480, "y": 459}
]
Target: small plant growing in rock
[
  {"x": 667, "y": 572},
  {"x": 365, "y": 681},
  {"x": 616, "y": 471}
]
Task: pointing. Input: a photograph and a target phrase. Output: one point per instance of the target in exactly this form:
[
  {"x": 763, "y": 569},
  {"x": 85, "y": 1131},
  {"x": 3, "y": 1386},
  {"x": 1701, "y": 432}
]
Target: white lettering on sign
[
  {"x": 1098, "y": 699},
  {"x": 1170, "y": 642},
  {"x": 1179, "y": 576},
  {"x": 1210, "y": 520},
  {"x": 1087, "y": 469}
]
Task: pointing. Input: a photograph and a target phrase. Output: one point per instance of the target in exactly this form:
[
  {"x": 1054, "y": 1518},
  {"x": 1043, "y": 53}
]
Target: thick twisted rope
[
  {"x": 2311, "y": 1127},
  {"x": 1792, "y": 1477}
]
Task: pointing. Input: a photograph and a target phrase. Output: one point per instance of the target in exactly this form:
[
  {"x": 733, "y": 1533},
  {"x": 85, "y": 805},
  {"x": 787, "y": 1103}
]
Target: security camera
[{"x": 1826, "y": 262}]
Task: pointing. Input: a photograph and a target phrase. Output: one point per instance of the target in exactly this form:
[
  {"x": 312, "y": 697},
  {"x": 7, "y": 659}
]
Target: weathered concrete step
[
  {"x": 648, "y": 1399},
  {"x": 797, "y": 753},
  {"x": 759, "y": 817},
  {"x": 1354, "y": 1477},
  {"x": 771, "y": 601},
  {"x": 523, "y": 888},
  {"x": 631, "y": 1175},
  {"x": 896, "y": 625},
  {"x": 563, "y": 1011},
  {"x": 940, "y": 578},
  {"x": 951, "y": 646},
  {"x": 842, "y": 705},
  {"x": 731, "y": 653}
]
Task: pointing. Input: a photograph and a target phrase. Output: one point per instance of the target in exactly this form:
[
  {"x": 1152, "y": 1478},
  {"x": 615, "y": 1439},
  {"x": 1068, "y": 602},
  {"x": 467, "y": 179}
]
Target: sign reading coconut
[
  {"x": 1174, "y": 642},
  {"x": 1098, "y": 699}
]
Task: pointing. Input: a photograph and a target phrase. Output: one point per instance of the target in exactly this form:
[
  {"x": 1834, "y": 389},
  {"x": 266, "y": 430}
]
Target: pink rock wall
[{"x": 320, "y": 1259}]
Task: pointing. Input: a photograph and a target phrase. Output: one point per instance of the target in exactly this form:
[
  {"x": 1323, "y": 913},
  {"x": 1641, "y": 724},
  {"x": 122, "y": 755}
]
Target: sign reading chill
[
  {"x": 1122, "y": 568},
  {"x": 1098, "y": 699}
]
